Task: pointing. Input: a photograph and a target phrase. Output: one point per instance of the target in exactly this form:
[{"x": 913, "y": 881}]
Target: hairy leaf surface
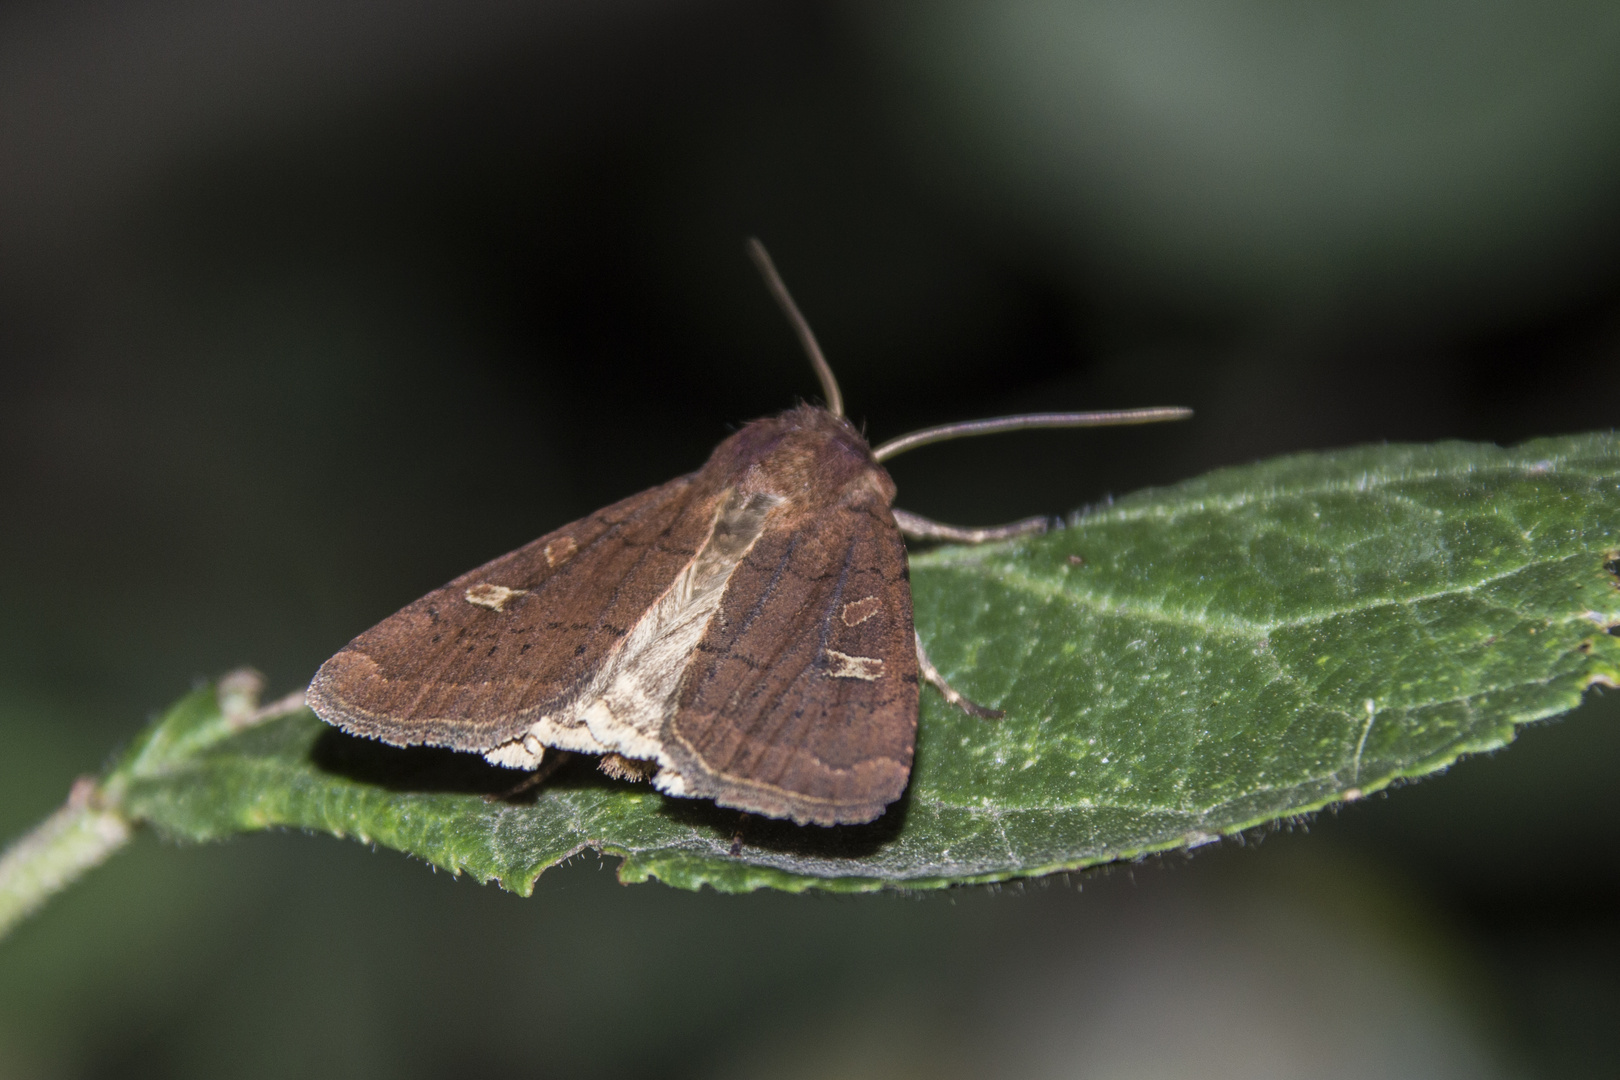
[{"x": 1184, "y": 663}]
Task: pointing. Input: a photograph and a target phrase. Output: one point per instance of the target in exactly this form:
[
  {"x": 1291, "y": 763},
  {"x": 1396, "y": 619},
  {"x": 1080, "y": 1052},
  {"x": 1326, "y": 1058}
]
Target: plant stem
[{"x": 61, "y": 848}]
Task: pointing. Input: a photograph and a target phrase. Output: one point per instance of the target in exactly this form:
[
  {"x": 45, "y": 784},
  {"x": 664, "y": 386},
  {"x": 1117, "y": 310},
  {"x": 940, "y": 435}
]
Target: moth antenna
[
  {"x": 807, "y": 338},
  {"x": 1116, "y": 418}
]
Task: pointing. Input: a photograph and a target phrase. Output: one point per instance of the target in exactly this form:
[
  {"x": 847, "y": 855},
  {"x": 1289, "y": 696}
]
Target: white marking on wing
[
  {"x": 559, "y": 551},
  {"x": 858, "y": 611},
  {"x": 494, "y": 597},
  {"x": 844, "y": 666}
]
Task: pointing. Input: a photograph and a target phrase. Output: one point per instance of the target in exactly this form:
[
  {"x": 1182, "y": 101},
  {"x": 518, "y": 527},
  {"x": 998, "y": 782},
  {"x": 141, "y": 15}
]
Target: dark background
[{"x": 307, "y": 307}]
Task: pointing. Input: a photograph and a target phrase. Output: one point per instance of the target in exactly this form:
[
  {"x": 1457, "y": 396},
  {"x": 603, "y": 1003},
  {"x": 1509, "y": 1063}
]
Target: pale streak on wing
[
  {"x": 441, "y": 671},
  {"x": 623, "y": 707},
  {"x": 772, "y": 722}
]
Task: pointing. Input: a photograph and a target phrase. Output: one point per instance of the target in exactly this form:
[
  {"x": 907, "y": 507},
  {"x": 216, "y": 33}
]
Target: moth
[{"x": 742, "y": 633}]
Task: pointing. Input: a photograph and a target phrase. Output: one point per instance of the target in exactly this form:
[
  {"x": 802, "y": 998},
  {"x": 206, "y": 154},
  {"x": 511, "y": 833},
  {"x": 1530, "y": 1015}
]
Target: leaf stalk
[{"x": 75, "y": 839}]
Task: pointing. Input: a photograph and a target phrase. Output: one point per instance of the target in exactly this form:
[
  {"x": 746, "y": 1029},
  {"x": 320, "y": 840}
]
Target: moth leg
[
  {"x": 920, "y": 528},
  {"x": 548, "y": 765},
  {"x": 622, "y": 768},
  {"x": 931, "y": 673}
]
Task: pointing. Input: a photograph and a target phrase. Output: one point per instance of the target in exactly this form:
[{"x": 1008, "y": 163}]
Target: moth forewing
[
  {"x": 625, "y": 703},
  {"x": 450, "y": 670},
  {"x": 802, "y": 698}
]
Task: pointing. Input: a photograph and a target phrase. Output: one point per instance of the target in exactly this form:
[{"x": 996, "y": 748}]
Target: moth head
[{"x": 806, "y": 454}]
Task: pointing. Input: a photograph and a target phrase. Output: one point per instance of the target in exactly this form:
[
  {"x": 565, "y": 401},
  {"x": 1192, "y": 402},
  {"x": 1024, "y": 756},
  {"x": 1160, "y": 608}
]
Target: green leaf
[{"x": 1184, "y": 663}]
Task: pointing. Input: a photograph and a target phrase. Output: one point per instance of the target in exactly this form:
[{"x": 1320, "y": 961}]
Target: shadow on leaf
[
  {"x": 431, "y": 769},
  {"x": 408, "y": 768},
  {"x": 785, "y": 838},
  {"x": 438, "y": 770}
]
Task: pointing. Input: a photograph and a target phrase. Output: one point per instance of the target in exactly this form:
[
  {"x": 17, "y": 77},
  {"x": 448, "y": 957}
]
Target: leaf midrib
[
  {"x": 1169, "y": 512},
  {"x": 1231, "y": 625}
]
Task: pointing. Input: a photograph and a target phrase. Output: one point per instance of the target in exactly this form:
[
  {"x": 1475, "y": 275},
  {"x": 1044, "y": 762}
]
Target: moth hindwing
[{"x": 746, "y": 630}]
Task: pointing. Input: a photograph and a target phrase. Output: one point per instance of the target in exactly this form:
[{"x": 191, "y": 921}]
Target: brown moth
[{"x": 742, "y": 633}]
